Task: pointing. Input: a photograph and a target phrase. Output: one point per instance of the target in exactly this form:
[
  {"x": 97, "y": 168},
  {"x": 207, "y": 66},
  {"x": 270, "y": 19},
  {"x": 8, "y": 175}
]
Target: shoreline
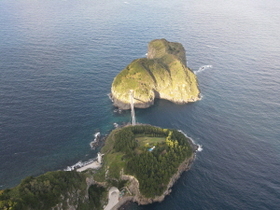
[
  {"x": 93, "y": 165},
  {"x": 143, "y": 105},
  {"x": 140, "y": 200},
  {"x": 137, "y": 197}
]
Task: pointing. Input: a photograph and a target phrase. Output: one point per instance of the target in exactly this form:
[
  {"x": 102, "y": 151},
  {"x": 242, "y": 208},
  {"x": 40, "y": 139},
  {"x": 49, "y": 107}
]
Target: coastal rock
[
  {"x": 162, "y": 74},
  {"x": 148, "y": 174},
  {"x": 90, "y": 188},
  {"x": 142, "y": 200}
]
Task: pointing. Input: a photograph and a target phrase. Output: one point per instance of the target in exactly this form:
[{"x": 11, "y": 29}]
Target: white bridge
[{"x": 133, "y": 120}]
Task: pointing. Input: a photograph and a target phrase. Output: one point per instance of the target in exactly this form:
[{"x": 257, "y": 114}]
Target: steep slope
[
  {"x": 54, "y": 190},
  {"x": 150, "y": 159},
  {"x": 163, "y": 74}
]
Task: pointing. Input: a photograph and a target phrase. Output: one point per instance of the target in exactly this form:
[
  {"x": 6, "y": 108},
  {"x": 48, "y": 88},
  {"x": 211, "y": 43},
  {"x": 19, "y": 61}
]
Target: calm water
[{"x": 57, "y": 62}]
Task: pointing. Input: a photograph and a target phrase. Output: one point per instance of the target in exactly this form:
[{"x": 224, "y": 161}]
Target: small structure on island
[
  {"x": 99, "y": 157},
  {"x": 151, "y": 149}
]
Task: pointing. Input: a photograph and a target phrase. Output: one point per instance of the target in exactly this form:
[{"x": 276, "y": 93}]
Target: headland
[{"x": 138, "y": 163}]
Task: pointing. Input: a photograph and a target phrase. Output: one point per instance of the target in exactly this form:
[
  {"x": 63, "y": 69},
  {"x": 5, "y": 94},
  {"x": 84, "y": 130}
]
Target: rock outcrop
[
  {"x": 148, "y": 174},
  {"x": 162, "y": 74},
  {"x": 142, "y": 200}
]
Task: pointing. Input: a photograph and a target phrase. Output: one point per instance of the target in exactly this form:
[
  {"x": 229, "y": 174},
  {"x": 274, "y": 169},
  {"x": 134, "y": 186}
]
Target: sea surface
[{"x": 58, "y": 60}]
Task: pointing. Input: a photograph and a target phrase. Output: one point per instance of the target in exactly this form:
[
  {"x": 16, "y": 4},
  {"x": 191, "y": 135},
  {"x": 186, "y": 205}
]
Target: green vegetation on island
[
  {"x": 60, "y": 189},
  {"x": 162, "y": 74},
  {"x": 139, "y": 160},
  {"x": 149, "y": 153}
]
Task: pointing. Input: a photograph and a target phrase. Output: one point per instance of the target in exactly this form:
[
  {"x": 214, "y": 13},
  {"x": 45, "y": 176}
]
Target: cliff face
[
  {"x": 149, "y": 174},
  {"x": 163, "y": 74},
  {"x": 142, "y": 200}
]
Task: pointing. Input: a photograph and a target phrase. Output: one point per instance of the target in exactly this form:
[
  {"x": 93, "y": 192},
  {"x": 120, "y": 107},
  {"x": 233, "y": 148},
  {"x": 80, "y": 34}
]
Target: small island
[
  {"x": 162, "y": 74},
  {"x": 144, "y": 161},
  {"x": 139, "y": 163}
]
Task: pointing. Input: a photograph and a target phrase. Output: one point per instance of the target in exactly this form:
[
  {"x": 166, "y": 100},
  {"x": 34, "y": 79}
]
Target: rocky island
[
  {"x": 147, "y": 159},
  {"x": 140, "y": 164},
  {"x": 162, "y": 74}
]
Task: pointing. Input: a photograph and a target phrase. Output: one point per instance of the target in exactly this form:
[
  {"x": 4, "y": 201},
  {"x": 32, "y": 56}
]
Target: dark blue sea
[{"x": 57, "y": 62}]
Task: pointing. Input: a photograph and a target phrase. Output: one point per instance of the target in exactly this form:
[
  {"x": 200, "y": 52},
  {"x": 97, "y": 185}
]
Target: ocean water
[{"x": 57, "y": 62}]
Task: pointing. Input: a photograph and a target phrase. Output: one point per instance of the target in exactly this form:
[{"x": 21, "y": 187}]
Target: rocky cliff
[
  {"x": 162, "y": 74},
  {"x": 148, "y": 175},
  {"x": 142, "y": 200}
]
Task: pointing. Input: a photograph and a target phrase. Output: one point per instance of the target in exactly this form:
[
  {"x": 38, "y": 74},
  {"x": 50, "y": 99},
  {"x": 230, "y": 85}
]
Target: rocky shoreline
[
  {"x": 125, "y": 106},
  {"x": 163, "y": 74},
  {"x": 134, "y": 186}
]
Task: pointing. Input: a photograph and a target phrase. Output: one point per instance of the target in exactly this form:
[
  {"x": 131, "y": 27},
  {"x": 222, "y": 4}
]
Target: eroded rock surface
[{"x": 162, "y": 74}]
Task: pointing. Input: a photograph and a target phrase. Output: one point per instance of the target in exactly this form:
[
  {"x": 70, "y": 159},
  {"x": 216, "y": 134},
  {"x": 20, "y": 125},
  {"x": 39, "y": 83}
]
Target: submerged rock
[{"x": 162, "y": 74}]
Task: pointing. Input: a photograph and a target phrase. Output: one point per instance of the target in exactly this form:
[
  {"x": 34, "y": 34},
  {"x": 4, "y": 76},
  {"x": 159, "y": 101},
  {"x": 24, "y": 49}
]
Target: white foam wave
[
  {"x": 187, "y": 136},
  {"x": 199, "y": 149},
  {"x": 202, "y": 68},
  {"x": 116, "y": 125},
  {"x": 97, "y": 134}
]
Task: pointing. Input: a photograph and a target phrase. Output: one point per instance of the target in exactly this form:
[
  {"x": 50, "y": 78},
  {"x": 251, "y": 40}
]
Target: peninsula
[
  {"x": 140, "y": 164},
  {"x": 162, "y": 74},
  {"x": 144, "y": 161}
]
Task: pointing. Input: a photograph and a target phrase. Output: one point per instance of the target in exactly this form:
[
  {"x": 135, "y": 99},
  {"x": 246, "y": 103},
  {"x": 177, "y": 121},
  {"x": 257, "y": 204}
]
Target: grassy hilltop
[{"x": 163, "y": 74}]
